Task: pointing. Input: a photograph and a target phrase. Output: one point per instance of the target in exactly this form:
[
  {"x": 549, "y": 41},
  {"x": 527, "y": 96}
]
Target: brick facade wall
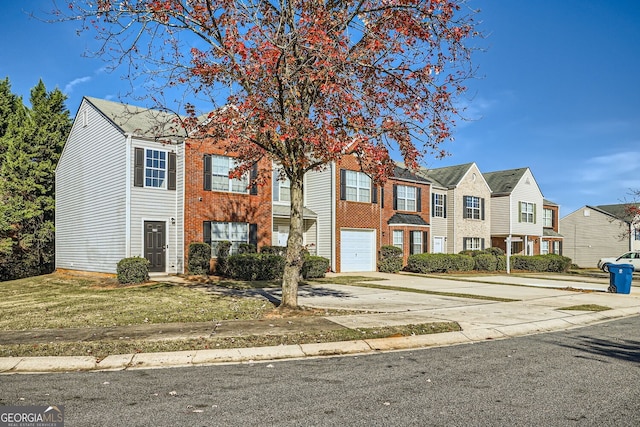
[{"x": 201, "y": 205}]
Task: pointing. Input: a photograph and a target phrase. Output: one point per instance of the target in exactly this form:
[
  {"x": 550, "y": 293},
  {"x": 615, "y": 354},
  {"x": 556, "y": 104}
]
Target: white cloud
[{"x": 73, "y": 83}]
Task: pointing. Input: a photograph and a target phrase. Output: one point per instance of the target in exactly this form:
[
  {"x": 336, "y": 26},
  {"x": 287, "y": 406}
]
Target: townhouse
[{"x": 129, "y": 183}]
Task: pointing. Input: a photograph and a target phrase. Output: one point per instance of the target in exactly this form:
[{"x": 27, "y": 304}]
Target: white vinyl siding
[
  {"x": 318, "y": 197},
  {"x": 90, "y": 202}
]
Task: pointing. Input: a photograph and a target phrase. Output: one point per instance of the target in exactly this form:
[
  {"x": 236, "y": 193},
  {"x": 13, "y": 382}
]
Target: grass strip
[
  {"x": 424, "y": 291},
  {"x": 102, "y": 349},
  {"x": 586, "y": 307}
]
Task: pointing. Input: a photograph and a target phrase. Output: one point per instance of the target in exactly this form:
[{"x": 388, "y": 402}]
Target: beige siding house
[
  {"x": 594, "y": 232},
  {"x": 463, "y": 222}
]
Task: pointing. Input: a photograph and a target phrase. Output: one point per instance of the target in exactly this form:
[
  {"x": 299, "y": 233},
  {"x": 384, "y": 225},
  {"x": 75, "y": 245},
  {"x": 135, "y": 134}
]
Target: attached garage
[{"x": 357, "y": 250}]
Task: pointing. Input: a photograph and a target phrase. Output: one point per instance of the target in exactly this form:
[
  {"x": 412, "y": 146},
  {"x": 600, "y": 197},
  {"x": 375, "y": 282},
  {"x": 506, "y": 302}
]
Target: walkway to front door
[{"x": 154, "y": 245}]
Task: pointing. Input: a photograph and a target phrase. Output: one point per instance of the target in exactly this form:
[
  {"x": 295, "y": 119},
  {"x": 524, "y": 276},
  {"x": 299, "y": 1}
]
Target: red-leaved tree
[{"x": 301, "y": 82}]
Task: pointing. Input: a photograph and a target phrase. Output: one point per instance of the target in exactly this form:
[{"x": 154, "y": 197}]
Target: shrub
[
  {"x": 439, "y": 263},
  {"x": 540, "y": 263},
  {"x": 390, "y": 259},
  {"x": 247, "y": 248},
  {"x": 494, "y": 251},
  {"x": 199, "y": 257},
  {"x": 223, "y": 254},
  {"x": 133, "y": 270},
  {"x": 559, "y": 263},
  {"x": 501, "y": 263},
  {"x": 255, "y": 266},
  {"x": 314, "y": 267},
  {"x": 276, "y": 250},
  {"x": 485, "y": 262}
]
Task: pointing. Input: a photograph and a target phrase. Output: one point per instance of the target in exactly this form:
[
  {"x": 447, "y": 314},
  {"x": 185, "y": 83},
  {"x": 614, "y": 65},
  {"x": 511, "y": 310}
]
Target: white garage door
[{"x": 357, "y": 250}]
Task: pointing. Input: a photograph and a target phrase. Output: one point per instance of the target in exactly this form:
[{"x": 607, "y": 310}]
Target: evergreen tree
[
  {"x": 34, "y": 139},
  {"x": 9, "y": 104}
]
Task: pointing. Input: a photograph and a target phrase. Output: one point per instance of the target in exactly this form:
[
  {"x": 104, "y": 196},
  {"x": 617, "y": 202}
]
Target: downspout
[
  {"x": 127, "y": 197},
  {"x": 509, "y": 237},
  {"x": 454, "y": 211}
]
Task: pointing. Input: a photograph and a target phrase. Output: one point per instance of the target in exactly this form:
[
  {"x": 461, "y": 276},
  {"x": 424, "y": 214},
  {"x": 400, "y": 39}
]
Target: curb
[{"x": 120, "y": 362}]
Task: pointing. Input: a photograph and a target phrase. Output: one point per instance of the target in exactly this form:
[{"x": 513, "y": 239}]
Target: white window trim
[
  {"x": 165, "y": 170},
  {"x": 526, "y": 214},
  {"x": 229, "y": 231},
  {"x": 438, "y": 205},
  {"x": 548, "y": 219},
  {"x": 231, "y": 182},
  {"x": 406, "y": 199},
  {"x": 358, "y": 187},
  {"x": 471, "y": 207},
  {"x": 398, "y": 239}
]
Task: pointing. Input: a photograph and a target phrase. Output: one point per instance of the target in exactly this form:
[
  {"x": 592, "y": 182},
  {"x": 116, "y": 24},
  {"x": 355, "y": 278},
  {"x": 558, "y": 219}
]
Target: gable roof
[
  {"x": 448, "y": 176},
  {"x": 504, "y": 182},
  {"x": 139, "y": 121},
  {"x": 549, "y": 203}
]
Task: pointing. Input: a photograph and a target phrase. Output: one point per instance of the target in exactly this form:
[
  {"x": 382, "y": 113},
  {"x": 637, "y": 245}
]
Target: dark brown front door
[{"x": 154, "y": 245}]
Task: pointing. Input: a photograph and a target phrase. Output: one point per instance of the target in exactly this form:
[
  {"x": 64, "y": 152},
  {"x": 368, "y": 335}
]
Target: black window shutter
[
  {"x": 560, "y": 248},
  {"x": 465, "y": 243},
  {"x": 374, "y": 194},
  {"x": 433, "y": 204},
  {"x": 419, "y": 199},
  {"x": 206, "y": 233},
  {"x": 253, "y": 234},
  {"x": 411, "y": 243},
  {"x": 343, "y": 184},
  {"x": 382, "y": 197},
  {"x": 425, "y": 242},
  {"x": 138, "y": 170},
  {"x": 482, "y": 243},
  {"x": 553, "y": 218},
  {"x": 482, "y": 209},
  {"x": 254, "y": 176},
  {"x": 395, "y": 197},
  {"x": 172, "y": 171},
  {"x": 444, "y": 201},
  {"x": 207, "y": 172}
]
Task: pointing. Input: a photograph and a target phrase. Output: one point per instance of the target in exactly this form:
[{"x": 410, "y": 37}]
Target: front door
[
  {"x": 154, "y": 245},
  {"x": 438, "y": 245},
  {"x": 283, "y": 235}
]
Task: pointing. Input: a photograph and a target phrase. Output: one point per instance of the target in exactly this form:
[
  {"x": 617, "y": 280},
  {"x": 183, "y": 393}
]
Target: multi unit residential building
[{"x": 130, "y": 184}]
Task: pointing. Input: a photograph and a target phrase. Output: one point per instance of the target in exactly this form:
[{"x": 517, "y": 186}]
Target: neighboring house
[
  {"x": 516, "y": 210},
  {"x": 460, "y": 208},
  {"x": 594, "y": 232},
  {"x": 219, "y": 208},
  {"x": 405, "y": 218},
  {"x": 552, "y": 240},
  {"x": 119, "y": 189}
]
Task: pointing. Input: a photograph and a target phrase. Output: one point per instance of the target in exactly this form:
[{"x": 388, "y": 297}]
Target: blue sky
[{"x": 559, "y": 90}]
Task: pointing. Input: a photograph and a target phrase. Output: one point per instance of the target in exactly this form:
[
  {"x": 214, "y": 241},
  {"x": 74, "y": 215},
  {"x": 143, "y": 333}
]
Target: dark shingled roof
[
  {"x": 406, "y": 175},
  {"x": 503, "y": 182},
  {"x": 549, "y": 202},
  {"x": 448, "y": 176},
  {"x": 547, "y": 232},
  {"x": 411, "y": 219},
  {"x": 618, "y": 211}
]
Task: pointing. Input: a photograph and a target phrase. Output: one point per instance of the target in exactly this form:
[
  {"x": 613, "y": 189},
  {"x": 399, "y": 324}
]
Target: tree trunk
[{"x": 295, "y": 258}]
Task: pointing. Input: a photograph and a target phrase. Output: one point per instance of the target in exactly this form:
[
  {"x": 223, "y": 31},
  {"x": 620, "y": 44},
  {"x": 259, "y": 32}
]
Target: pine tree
[
  {"x": 9, "y": 104},
  {"x": 34, "y": 139}
]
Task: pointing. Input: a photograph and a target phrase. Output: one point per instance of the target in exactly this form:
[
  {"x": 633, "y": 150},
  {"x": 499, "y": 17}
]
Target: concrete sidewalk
[{"x": 536, "y": 305}]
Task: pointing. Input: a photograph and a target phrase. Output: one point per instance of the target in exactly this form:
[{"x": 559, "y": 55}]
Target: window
[
  {"x": 357, "y": 186},
  {"x": 406, "y": 198},
  {"x": 547, "y": 218},
  {"x": 636, "y": 234},
  {"x": 221, "y": 166},
  {"x": 417, "y": 242},
  {"x": 439, "y": 209},
  {"x": 473, "y": 207},
  {"x": 527, "y": 212},
  {"x": 398, "y": 237},
  {"x": 155, "y": 168},
  {"x": 545, "y": 247},
  {"x": 556, "y": 248},
  {"x": 234, "y": 232},
  {"x": 281, "y": 187},
  {"x": 473, "y": 244}
]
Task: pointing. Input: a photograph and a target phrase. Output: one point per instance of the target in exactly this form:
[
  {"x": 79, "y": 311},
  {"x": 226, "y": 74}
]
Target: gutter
[{"x": 127, "y": 197}]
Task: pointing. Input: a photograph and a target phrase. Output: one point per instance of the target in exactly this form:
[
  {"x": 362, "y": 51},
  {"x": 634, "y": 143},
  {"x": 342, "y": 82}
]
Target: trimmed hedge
[
  {"x": 314, "y": 267},
  {"x": 390, "y": 259},
  {"x": 255, "y": 266},
  {"x": 133, "y": 270},
  {"x": 223, "y": 249},
  {"x": 541, "y": 263},
  {"x": 199, "y": 257},
  {"x": 276, "y": 250},
  {"x": 485, "y": 262},
  {"x": 439, "y": 263}
]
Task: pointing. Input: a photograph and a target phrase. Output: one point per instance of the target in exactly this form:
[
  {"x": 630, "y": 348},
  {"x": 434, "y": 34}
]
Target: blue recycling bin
[{"x": 620, "y": 276}]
